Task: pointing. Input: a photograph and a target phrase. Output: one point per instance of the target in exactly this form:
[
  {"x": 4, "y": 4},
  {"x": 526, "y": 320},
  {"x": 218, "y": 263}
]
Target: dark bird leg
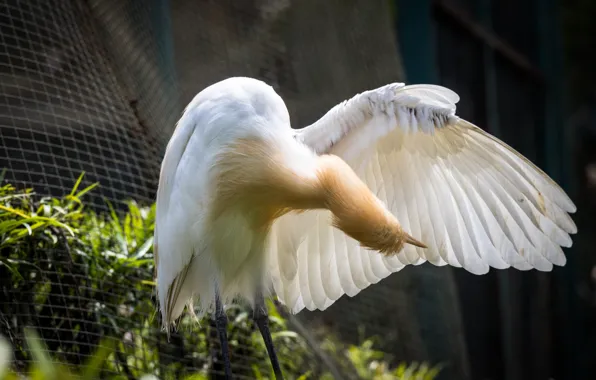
[
  {"x": 221, "y": 322},
  {"x": 261, "y": 318}
]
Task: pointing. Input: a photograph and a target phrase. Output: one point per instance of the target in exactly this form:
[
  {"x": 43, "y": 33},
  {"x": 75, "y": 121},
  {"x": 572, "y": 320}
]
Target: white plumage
[{"x": 472, "y": 200}]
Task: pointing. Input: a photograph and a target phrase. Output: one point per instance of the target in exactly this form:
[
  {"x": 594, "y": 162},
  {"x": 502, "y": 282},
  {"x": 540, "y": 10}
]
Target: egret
[{"x": 248, "y": 207}]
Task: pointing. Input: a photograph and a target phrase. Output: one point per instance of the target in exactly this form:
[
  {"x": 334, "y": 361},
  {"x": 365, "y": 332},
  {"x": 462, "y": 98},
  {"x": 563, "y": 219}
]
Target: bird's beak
[{"x": 410, "y": 240}]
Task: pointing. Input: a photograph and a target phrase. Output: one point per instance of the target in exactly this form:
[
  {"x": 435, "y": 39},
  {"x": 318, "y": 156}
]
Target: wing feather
[
  {"x": 346, "y": 282},
  {"x": 318, "y": 244},
  {"x": 435, "y": 232},
  {"x": 172, "y": 273},
  {"x": 472, "y": 199}
]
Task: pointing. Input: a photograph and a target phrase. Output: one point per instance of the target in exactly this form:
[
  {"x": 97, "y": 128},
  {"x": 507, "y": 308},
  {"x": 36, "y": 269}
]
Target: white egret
[{"x": 248, "y": 206}]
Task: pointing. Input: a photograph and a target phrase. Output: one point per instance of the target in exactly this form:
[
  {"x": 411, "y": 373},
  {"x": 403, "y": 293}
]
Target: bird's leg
[
  {"x": 261, "y": 318},
  {"x": 221, "y": 323}
]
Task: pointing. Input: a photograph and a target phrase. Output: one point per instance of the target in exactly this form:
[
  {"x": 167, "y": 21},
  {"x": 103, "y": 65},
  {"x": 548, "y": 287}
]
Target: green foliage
[
  {"x": 83, "y": 280},
  {"x": 75, "y": 275},
  {"x": 369, "y": 363},
  {"x": 44, "y": 368},
  {"x": 78, "y": 276}
]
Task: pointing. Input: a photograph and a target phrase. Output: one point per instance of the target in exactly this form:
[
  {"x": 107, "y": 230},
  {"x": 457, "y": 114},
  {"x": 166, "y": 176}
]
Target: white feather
[
  {"x": 472, "y": 199},
  {"x": 197, "y": 254}
]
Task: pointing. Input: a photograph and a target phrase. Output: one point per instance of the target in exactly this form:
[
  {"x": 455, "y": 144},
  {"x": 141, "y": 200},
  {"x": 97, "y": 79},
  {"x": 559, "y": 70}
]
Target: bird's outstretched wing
[{"x": 473, "y": 200}]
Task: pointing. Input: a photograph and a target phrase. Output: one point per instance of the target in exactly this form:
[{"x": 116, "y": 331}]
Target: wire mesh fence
[
  {"x": 65, "y": 106},
  {"x": 97, "y": 86}
]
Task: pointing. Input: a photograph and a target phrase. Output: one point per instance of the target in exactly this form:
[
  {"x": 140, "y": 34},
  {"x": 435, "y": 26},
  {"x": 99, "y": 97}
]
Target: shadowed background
[{"x": 97, "y": 86}]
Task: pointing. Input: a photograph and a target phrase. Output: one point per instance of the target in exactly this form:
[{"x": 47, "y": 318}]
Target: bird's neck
[
  {"x": 255, "y": 175},
  {"x": 356, "y": 210}
]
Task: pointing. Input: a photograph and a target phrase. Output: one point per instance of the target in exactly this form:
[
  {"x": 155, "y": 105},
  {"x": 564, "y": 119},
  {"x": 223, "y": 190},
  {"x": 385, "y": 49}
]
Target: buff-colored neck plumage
[{"x": 253, "y": 175}]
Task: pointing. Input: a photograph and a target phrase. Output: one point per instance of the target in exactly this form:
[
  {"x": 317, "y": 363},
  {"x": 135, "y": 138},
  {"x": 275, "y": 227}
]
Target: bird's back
[{"x": 195, "y": 246}]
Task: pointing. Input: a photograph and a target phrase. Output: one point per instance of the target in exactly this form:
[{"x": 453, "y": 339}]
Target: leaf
[
  {"x": 284, "y": 334},
  {"x": 8, "y": 225},
  {"x": 14, "y": 196},
  {"x": 196, "y": 376},
  {"x": 12, "y": 269},
  {"x": 60, "y": 224},
  {"x": 241, "y": 317},
  {"x": 142, "y": 251},
  {"x": 257, "y": 372},
  {"x": 11, "y": 376},
  {"x": 30, "y": 229},
  {"x": 434, "y": 372},
  {"x": 13, "y": 211},
  {"x": 39, "y": 353},
  {"x": 5, "y": 356},
  {"x": 305, "y": 376},
  {"x": 87, "y": 189},
  {"x": 93, "y": 367},
  {"x": 115, "y": 223},
  {"x": 138, "y": 263},
  {"x": 77, "y": 183},
  {"x": 401, "y": 370},
  {"x": 60, "y": 210}
]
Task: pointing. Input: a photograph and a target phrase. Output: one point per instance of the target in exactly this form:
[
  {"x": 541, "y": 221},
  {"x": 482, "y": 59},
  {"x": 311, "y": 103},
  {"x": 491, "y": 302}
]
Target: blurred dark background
[{"x": 97, "y": 85}]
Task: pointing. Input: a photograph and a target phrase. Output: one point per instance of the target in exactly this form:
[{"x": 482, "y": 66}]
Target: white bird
[{"x": 248, "y": 207}]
